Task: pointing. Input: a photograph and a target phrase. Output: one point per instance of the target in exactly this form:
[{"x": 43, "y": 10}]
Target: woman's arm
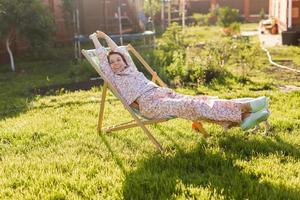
[
  {"x": 95, "y": 40},
  {"x": 102, "y": 55},
  {"x": 113, "y": 46}
]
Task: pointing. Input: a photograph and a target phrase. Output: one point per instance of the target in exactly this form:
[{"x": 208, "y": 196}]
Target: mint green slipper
[
  {"x": 254, "y": 119},
  {"x": 259, "y": 104}
]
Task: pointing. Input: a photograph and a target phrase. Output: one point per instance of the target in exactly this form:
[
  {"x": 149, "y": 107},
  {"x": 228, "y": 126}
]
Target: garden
[{"x": 50, "y": 148}]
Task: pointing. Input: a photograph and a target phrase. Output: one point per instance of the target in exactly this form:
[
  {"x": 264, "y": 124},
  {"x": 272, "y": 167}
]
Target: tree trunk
[{"x": 12, "y": 63}]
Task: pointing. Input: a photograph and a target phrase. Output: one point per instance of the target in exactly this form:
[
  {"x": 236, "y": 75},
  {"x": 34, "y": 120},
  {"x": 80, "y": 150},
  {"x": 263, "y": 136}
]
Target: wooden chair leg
[
  {"x": 153, "y": 140},
  {"x": 131, "y": 124},
  {"x": 102, "y": 103}
]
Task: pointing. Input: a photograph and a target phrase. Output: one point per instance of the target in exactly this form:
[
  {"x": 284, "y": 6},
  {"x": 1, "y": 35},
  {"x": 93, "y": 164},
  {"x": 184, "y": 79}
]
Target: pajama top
[{"x": 130, "y": 83}]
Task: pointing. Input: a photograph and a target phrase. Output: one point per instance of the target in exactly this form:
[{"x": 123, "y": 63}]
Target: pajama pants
[{"x": 163, "y": 102}]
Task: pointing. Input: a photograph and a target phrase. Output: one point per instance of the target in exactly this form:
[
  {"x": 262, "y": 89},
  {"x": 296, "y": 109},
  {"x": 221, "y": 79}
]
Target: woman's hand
[
  {"x": 100, "y": 34},
  {"x": 113, "y": 46}
]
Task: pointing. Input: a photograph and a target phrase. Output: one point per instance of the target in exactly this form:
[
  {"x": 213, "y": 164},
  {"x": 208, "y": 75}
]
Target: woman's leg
[
  {"x": 244, "y": 103},
  {"x": 189, "y": 107},
  {"x": 162, "y": 102}
]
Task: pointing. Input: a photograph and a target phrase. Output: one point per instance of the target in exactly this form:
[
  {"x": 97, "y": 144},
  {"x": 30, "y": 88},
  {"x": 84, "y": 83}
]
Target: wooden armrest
[{"x": 154, "y": 76}]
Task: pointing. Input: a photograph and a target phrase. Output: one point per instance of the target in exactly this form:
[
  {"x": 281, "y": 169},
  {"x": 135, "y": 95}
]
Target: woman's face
[{"x": 116, "y": 63}]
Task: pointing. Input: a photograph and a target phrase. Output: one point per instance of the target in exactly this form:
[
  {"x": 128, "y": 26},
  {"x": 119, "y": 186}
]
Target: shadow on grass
[
  {"x": 15, "y": 111},
  {"x": 158, "y": 178},
  {"x": 245, "y": 147},
  {"x": 15, "y": 99},
  {"x": 165, "y": 176},
  {"x": 12, "y": 110},
  {"x": 113, "y": 155}
]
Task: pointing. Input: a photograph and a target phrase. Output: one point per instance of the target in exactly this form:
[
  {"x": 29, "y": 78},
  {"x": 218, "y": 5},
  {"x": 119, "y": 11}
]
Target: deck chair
[{"x": 138, "y": 120}]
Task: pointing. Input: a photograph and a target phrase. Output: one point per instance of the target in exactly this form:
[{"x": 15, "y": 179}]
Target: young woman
[{"x": 158, "y": 102}]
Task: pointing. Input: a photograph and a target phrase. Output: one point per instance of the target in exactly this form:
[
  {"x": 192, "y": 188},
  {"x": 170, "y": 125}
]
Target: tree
[
  {"x": 262, "y": 14},
  {"x": 151, "y": 7},
  {"x": 229, "y": 19},
  {"x": 69, "y": 7},
  {"x": 228, "y": 16},
  {"x": 28, "y": 18}
]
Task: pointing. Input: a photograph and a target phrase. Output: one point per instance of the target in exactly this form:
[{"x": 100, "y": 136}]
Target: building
[
  {"x": 250, "y": 9},
  {"x": 286, "y": 13},
  {"x": 173, "y": 9}
]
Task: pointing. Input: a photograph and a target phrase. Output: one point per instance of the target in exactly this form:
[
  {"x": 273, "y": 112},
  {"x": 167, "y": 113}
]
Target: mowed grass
[{"x": 50, "y": 149}]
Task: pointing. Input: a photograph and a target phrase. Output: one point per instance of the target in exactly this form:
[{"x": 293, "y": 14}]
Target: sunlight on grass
[
  {"x": 53, "y": 151},
  {"x": 50, "y": 149}
]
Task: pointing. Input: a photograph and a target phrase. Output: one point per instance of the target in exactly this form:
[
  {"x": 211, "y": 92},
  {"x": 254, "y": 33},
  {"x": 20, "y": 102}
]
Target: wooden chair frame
[{"x": 137, "y": 121}]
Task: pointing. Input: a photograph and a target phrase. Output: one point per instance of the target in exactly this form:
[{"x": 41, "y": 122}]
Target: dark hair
[{"x": 118, "y": 53}]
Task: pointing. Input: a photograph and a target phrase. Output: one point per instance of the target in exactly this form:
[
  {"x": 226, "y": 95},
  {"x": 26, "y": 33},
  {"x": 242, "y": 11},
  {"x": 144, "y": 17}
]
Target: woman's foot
[
  {"x": 254, "y": 119},
  {"x": 258, "y": 104}
]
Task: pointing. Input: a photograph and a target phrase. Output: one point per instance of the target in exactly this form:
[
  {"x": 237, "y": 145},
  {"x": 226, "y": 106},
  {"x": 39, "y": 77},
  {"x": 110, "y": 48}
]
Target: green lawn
[
  {"x": 49, "y": 147},
  {"x": 249, "y": 26}
]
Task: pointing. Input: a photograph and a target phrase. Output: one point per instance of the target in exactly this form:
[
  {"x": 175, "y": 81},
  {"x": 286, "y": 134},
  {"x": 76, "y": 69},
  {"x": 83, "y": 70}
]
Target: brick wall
[{"x": 250, "y": 9}]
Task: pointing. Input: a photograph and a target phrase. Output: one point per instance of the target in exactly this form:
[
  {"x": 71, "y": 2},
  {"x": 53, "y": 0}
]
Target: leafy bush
[
  {"x": 171, "y": 40},
  {"x": 228, "y": 16},
  {"x": 210, "y": 62},
  {"x": 201, "y": 19},
  {"x": 201, "y": 65},
  {"x": 246, "y": 55},
  {"x": 177, "y": 69},
  {"x": 235, "y": 28},
  {"x": 169, "y": 46},
  {"x": 30, "y": 20}
]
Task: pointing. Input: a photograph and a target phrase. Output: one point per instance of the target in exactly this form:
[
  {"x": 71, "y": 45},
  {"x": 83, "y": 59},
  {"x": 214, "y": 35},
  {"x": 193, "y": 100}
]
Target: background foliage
[
  {"x": 30, "y": 19},
  {"x": 192, "y": 63}
]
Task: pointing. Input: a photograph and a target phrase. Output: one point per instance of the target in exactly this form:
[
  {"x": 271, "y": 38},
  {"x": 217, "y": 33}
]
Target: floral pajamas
[
  {"x": 163, "y": 102},
  {"x": 158, "y": 102}
]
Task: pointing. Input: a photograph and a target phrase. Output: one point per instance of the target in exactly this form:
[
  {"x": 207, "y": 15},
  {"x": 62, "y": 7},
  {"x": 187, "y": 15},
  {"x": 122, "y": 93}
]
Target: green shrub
[
  {"x": 228, "y": 16},
  {"x": 193, "y": 65},
  {"x": 171, "y": 40},
  {"x": 246, "y": 55},
  {"x": 201, "y": 19},
  {"x": 177, "y": 69},
  {"x": 236, "y": 28},
  {"x": 201, "y": 65},
  {"x": 212, "y": 60}
]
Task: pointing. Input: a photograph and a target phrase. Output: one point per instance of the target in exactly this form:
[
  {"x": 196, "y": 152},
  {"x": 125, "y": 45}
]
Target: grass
[
  {"x": 17, "y": 87},
  {"x": 287, "y": 53},
  {"x": 50, "y": 149},
  {"x": 249, "y": 26}
]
